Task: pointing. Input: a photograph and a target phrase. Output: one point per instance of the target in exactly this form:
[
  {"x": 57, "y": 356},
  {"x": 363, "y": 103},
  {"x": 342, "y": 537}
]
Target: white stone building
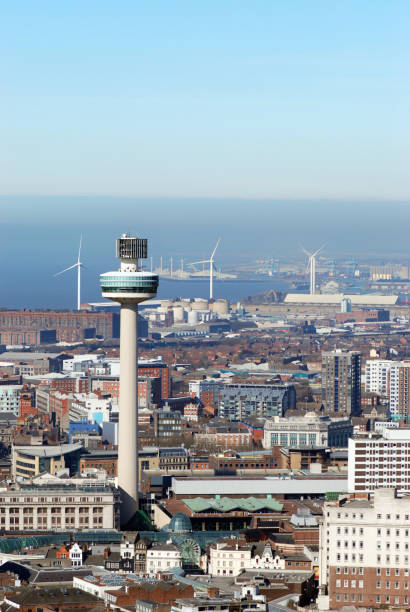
[
  {"x": 365, "y": 551},
  {"x": 163, "y": 556},
  {"x": 59, "y": 508},
  {"x": 231, "y": 557},
  {"x": 310, "y": 430},
  {"x": 76, "y": 555}
]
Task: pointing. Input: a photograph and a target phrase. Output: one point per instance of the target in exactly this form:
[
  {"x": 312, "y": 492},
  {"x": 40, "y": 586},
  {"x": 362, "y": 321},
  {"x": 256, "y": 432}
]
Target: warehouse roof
[
  {"x": 365, "y": 299},
  {"x": 258, "y": 486}
]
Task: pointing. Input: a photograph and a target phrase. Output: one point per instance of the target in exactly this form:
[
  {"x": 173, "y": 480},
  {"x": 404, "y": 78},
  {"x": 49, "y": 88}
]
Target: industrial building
[{"x": 359, "y": 299}]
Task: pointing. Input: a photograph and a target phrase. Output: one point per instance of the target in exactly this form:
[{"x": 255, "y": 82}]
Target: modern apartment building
[
  {"x": 56, "y": 508},
  {"x": 379, "y": 460},
  {"x": 240, "y": 401},
  {"x": 377, "y": 376},
  {"x": 341, "y": 371},
  {"x": 10, "y": 398},
  {"x": 365, "y": 551},
  {"x": 309, "y": 430}
]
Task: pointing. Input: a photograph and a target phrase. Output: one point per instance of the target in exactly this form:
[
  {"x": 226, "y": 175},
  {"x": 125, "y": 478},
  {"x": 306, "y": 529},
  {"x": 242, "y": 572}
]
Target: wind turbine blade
[
  {"x": 79, "y": 249},
  {"x": 214, "y": 251},
  {"x": 302, "y": 248},
  {"x": 318, "y": 251},
  {"x": 66, "y": 270}
]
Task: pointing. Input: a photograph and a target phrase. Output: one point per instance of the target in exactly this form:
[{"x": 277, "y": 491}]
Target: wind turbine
[
  {"x": 312, "y": 267},
  {"x": 77, "y": 265},
  {"x": 211, "y": 269}
]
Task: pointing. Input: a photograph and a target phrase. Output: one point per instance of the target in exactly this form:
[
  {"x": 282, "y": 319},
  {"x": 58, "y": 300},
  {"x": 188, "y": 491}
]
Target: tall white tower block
[{"x": 129, "y": 286}]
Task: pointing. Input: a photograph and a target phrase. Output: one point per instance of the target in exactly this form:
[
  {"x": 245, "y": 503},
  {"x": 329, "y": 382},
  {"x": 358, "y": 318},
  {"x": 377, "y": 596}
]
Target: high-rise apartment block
[
  {"x": 377, "y": 376},
  {"x": 365, "y": 551},
  {"x": 390, "y": 379},
  {"x": 341, "y": 372},
  {"x": 379, "y": 460}
]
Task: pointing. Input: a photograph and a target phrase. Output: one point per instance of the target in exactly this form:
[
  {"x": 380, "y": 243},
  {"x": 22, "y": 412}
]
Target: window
[
  {"x": 338, "y": 583},
  {"x": 378, "y": 584}
]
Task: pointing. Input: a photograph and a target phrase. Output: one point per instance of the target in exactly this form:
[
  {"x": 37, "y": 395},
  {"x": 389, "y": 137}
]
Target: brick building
[{"x": 35, "y": 327}]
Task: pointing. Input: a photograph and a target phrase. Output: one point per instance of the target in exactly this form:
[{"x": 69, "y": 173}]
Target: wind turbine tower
[
  {"x": 77, "y": 265},
  {"x": 129, "y": 286},
  {"x": 312, "y": 268},
  {"x": 211, "y": 269}
]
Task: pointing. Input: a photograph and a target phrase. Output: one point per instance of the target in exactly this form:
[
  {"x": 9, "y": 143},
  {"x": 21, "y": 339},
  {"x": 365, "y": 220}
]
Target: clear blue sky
[{"x": 269, "y": 99}]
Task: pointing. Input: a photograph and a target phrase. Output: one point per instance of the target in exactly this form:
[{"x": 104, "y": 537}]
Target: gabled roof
[{"x": 227, "y": 504}]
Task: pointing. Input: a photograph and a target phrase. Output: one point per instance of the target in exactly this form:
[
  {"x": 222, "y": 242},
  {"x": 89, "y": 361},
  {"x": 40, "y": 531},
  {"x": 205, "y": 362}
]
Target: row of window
[
  {"x": 379, "y": 516},
  {"x": 397, "y": 600}
]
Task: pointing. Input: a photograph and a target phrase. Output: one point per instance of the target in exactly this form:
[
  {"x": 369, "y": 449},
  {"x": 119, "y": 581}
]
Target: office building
[
  {"x": 365, "y": 552},
  {"x": 238, "y": 402},
  {"x": 30, "y": 461},
  {"x": 55, "y": 508},
  {"x": 129, "y": 286},
  {"x": 341, "y": 372},
  {"x": 309, "y": 430}
]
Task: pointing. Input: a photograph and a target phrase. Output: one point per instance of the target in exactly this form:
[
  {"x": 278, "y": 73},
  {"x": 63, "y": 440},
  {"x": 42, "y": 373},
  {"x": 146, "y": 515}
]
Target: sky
[
  {"x": 219, "y": 99},
  {"x": 268, "y": 123}
]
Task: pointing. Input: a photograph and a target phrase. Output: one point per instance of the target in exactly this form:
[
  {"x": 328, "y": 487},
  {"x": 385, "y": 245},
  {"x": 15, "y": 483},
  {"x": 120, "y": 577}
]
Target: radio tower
[{"x": 129, "y": 286}]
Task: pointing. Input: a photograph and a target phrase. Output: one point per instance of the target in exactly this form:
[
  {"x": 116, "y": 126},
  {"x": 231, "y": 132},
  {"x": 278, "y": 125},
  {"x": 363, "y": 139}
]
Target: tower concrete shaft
[
  {"x": 128, "y": 418},
  {"x": 129, "y": 286}
]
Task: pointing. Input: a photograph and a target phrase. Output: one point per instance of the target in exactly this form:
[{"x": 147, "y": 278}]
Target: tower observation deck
[{"x": 129, "y": 286}]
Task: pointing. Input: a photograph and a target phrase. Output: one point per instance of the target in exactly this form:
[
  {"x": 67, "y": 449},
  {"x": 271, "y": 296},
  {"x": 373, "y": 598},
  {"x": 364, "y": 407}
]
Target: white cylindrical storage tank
[
  {"x": 220, "y": 306},
  {"x": 193, "y": 317},
  {"x": 199, "y": 304},
  {"x": 178, "y": 314}
]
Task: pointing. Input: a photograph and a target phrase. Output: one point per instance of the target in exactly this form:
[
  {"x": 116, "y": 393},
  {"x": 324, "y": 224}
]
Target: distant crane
[
  {"x": 211, "y": 269},
  {"x": 77, "y": 265},
  {"x": 312, "y": 267}
]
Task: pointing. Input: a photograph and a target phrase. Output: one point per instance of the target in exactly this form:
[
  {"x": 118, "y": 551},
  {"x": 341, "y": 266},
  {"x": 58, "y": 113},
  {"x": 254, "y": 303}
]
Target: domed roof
[{"x": 180, "y": 522}]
